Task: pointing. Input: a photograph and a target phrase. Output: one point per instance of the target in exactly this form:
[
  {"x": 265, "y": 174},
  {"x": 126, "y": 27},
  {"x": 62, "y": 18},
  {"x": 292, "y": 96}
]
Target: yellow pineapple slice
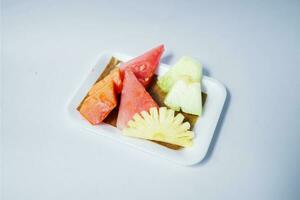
[{"x": 160, "y": 125}]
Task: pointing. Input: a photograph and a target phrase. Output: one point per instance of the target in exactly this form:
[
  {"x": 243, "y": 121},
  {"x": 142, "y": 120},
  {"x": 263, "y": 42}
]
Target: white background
[{"x": 253, "y": 47}]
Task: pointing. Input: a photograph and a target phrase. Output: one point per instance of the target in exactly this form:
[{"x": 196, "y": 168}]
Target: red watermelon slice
[
  {"x": 134, "y": 99},
  {"x": 144, "y": 65}
]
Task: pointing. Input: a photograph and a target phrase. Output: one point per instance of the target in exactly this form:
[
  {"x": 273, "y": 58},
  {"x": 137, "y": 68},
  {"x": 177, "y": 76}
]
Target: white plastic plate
[{"x": 204, "y": 127}]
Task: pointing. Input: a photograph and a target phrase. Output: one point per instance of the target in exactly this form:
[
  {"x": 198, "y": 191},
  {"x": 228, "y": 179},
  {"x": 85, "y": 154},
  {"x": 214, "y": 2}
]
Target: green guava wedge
[
  {"x": 186, "y": 67},
  {"x": 185, "y": 95}
]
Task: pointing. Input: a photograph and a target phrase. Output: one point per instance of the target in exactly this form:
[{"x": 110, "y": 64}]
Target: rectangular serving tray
[{"x": 204, "y": 127}]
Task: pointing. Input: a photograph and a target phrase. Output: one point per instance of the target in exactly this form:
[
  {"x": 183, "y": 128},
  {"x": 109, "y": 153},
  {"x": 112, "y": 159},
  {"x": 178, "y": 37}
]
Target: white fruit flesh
[
  {"x": 185, "y": 95},
  {"x": 185, "y": 67},
  {"x": 160, "y": 125}
]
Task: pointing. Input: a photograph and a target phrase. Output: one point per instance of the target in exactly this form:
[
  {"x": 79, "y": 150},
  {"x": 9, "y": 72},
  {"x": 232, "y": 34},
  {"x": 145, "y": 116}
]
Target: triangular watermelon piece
[
  {"x": 134, "y": 99},
  {"x": 144, "y": 66}
]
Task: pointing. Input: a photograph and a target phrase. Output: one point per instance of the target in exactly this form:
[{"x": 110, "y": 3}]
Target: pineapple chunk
[{"x": 160, "y": 125}]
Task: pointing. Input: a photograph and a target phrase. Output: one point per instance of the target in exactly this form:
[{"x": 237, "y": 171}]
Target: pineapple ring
[{"x": 160, "y": 125}]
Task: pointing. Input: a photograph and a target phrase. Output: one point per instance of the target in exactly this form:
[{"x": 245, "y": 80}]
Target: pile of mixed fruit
[{"x": 161, "y": 109}]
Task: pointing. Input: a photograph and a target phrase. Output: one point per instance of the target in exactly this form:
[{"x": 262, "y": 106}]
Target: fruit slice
[
  {"x": 187, "y": 67},
  {"x": 134, "y": 99},
  {"x": 114, "y": 76},
  {"x": 144, "y": 65},
  {"x": 185, "y": 95},
  {"x": 101, "y": 98},
  {"x": 97, "y": 106},
  {"x": 160, "y": 125}
]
